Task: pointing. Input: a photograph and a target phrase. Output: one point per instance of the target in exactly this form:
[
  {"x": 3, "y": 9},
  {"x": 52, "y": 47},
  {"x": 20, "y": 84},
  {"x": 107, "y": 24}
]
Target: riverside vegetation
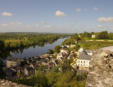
[
  {"x": 19, "y": 41},
  {"x": 62, "y": 75}
]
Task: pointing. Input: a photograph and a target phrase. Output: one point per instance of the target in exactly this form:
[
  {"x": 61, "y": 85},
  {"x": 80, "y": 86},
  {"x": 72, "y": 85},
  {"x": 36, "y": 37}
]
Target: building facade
[{"x": 84, "y": 58}]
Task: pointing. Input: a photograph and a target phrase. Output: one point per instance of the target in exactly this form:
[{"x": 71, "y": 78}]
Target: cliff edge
[{"x": 101, "y": 70}]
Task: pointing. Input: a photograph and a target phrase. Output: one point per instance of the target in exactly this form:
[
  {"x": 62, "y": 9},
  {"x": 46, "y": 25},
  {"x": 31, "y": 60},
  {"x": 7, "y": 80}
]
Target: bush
[
  {"x": 103, "y": 35},
  {"x": 57, "y": 49}
]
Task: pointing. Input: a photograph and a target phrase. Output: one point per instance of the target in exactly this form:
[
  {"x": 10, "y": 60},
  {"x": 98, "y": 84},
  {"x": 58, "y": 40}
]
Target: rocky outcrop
[
  {"x": 101, "y": 70},
  {"x": 17, "y": 67},
  {"x": 6, "y": 83}
]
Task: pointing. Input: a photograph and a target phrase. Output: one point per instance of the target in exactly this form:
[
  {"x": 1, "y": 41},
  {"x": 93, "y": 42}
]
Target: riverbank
[
  {"x": 17, "y": 42},
  {"x": 37, "y": 50}
]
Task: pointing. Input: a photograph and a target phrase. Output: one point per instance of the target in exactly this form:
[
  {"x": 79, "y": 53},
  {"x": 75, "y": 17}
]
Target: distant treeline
[
  {"x": 90, "y": 40},
  {"x": 104, "y": 35}
]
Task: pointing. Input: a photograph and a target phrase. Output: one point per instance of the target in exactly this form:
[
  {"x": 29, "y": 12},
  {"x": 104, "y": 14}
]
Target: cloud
[
  {"x": 48, "y": 26},
  {"x": 43, "y": 22},
  {"x": 85, "y": 9},
  {"x": 17, "y": 26},
  {"x": 7, "y": 14},
  {"x": 16, "y": 23},
  {"x": 100, "y": 26},
  {"x": 78, "y": 9},
  {"x": 12, "y": 24},
  {"x": 111, "y": 27},
  {"x": 105, "y": 19},
  {"x": 60, "y": 13},
  {"x": 81, "y": 9},
  {"x": 3, "y": 25},
  {"x": 95, "y": 9}
]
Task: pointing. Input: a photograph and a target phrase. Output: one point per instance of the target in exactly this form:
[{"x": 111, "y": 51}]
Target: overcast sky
[{"x": 61, "y": 16}]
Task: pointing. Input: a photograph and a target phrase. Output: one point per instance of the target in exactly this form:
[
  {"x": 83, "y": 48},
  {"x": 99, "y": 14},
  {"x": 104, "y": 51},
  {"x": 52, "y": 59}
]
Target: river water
[{"x": 37, "y": 50}]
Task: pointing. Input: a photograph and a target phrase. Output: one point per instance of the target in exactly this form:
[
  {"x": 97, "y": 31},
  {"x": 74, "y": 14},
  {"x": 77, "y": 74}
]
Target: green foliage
[
  {"x": 84, "y": 40},
  {"x": 95, "y": 44},
  {"x": 50, "y": 51},
  {"x": 69, "y": 41},
  {"x": 103, "y": 35},
  {"x": 37, "y": 80},
  {"x": 65, "y": 66},
  {"x": 85, "y": 35},
  {"x": 52, "y": 77},
  {"x": 60, "y": 76},
  {"x": 111, "y": 36},
  {"x": 2, "y": 73},
  {"x": 76, "y": 37},
  {"x": 4, "y": 52},
  {"x": 77, "y": 47},
  {"x": 18, "y": 41},
  {"x": 57, "y": 49}
]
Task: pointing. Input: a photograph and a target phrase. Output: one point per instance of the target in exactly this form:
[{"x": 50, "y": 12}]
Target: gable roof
[{"x": 84, "y": 56}]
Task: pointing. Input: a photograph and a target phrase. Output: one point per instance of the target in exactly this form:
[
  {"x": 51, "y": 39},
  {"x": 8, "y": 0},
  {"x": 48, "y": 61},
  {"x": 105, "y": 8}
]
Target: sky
[{"x": 56, "y": 16}]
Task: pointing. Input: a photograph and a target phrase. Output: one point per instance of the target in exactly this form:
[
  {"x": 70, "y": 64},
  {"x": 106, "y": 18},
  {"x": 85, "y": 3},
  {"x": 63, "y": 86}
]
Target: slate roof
[{"x": 84, "y": 56}]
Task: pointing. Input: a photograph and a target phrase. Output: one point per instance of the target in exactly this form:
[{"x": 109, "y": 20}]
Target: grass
[{"x": 95, "y": 44}]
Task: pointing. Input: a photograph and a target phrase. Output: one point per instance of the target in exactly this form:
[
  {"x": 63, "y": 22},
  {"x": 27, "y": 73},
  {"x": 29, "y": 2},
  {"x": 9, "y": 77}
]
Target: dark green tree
[
  {"x": 103, "y": 35},
  {"x": 57, "y": 49}
]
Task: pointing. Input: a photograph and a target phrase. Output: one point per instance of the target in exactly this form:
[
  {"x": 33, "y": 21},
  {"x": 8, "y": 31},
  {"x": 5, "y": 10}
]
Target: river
[{"x": 37, "y": 50}]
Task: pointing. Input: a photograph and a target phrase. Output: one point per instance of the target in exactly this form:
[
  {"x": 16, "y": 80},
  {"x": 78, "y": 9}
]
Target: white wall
[{"x": 83, "y": 63}]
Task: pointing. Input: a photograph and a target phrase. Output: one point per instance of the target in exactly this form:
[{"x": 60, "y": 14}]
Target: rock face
[
  {"x": 17, "y": 67},
  {"x": 6, "y": 83},
  {"x": 101, "y": 70}
]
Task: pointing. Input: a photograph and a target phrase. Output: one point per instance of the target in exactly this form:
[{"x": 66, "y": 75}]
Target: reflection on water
[{"x": 37, "y": 50}]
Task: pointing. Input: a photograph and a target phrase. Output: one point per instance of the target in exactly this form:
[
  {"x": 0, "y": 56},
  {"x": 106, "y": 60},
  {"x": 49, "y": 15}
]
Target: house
[
  {"x": 84, "y": 58},
  {"x": 93, "y": 36}
]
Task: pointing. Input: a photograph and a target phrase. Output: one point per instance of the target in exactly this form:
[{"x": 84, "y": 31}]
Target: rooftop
[{"x": 84, "y": 56}]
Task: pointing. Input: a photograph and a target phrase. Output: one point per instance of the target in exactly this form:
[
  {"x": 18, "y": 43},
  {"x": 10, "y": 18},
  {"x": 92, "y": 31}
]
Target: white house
[
  {"x": 83, "y": 58},
  {"x": 93, "y": 36}
]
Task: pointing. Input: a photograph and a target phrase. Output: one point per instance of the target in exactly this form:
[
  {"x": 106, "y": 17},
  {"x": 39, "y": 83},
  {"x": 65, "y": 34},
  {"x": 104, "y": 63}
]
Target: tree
[
  {"x": 76, "y": 37},
  {"x": 103, "y": 35},
  {"x": 77, "y": 47},
  {"x": 66, "y": 65},
  {"x": 4, "y": 52},
  {"x": 57, "y": 49},
  {"x": 50, "y": 51},
  {"x": 86, "y": 34}
]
